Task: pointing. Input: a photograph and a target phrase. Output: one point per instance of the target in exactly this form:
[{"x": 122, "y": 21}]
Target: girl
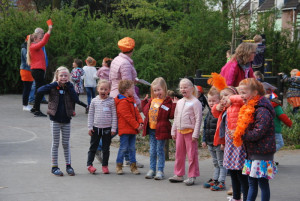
[
  {"x": 103, "y": 72},
  {"x": 26, "y": 76},
  {"x": 186, "y": 130},
  {"x": 130, "y": 123},
  {"x": 76, "y": 75},
  {"x": 255, "y": 128},
  {"x": 157, "y": 113},
  {"x": 60, "y": 109},
  {"x": 90, "y": 78},
  {"x": 293, "y": 93},
  {"x": 102, "y": 123}
]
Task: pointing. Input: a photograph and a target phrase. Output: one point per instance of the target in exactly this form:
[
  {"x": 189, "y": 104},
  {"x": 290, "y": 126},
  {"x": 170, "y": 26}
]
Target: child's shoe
[
  {"x": 105, "y": 170},
  {"x": 159, "y": 175},
  {"x": 209, "y": 183},
  {"x": 134, "y": 169},
  {"x": 119, "y": 168},
  {"x": 190, "y": 181},
  {"x": 27, "y": 108},
  {"x": 219, "y": 186},
  {"x": 56, "y": 171},
  {"x": 176, "y": 179},
  {"x": 91, "y": 169},
  {"x": 126, "y": 164},
  {"x": 39, "y": 114},
  {"x": 139, "y": 165},
  {"x": 98, "y": 156},
  {"x": 150, "y": 174},
  {"x": 230, "y": 191},
  {"x": 70, "y": 170}
]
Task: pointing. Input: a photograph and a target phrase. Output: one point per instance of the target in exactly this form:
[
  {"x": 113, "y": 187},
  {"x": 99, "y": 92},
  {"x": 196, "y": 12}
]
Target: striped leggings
[{"x": 65, "y": 129}]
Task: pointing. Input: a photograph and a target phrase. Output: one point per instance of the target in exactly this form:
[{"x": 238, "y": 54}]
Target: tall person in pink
[
  {"x": 122, "y": 68},
  {"x": 186, "y": 130}
]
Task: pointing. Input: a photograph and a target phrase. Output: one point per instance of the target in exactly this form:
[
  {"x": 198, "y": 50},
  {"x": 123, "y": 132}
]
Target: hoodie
[{"x": 259, "y": 137}]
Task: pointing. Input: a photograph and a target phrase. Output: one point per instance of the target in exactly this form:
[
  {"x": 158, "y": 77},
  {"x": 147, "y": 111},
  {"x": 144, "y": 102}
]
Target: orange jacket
[
  {"x": 233, "y": 111},
  {"x": 129, "y": 118}
]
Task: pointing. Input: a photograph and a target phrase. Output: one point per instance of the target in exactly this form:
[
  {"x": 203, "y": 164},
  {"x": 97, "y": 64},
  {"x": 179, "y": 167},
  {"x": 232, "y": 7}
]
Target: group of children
[{"x": 239, "y": 128}]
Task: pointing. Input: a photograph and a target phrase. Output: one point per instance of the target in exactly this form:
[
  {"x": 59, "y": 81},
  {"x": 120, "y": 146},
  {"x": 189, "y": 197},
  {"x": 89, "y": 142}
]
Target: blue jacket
[{"x": 24, "y": 65}]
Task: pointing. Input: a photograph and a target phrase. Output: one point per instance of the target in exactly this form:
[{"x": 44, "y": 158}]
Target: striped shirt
[{"x": 102, "y": 114}]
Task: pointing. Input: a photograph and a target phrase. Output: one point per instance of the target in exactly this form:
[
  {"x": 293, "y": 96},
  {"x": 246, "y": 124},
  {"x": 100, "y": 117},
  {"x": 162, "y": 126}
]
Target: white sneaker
[{"x": 27, "y": 108}]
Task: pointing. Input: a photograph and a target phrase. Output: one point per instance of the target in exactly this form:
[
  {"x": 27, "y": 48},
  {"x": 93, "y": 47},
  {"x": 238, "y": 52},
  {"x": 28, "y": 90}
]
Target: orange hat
[
  {"x": 126, "y": 44},
  {"x": 200, "y": 89},
  {"x": 298, "y": 73},
  {"x": 27, "y": 37}
]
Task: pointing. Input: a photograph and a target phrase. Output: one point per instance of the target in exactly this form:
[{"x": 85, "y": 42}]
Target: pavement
[{"x": 25, "y": 143}]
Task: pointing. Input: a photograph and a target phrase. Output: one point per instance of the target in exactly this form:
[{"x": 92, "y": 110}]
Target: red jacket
[
  {"x": 129, "y": 118},
  {"x": 37, "y": 55},
  {"x": 233, "y": 73},
  {"x": 163, "y": 126}
]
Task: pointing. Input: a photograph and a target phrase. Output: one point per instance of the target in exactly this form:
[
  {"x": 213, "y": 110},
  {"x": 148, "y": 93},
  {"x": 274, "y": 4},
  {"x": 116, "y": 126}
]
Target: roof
[
  {"x": 291, "y": 4},
  {"x": 267, "y": 5},
  {"x": 246, "y": 7}
]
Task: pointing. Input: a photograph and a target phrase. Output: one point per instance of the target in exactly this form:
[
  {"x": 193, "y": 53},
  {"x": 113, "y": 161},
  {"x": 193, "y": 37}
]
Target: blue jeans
[
  {"x": 90, "y": 93},
  {"x": 217, "y": 156},
  {"x": 31, "y": 94},
  {"x": 127, "y": 143},
  {"x": 253, "y": 188},
  {"x": 279, "y": 141},
  {"x": 157, "y": 152}
]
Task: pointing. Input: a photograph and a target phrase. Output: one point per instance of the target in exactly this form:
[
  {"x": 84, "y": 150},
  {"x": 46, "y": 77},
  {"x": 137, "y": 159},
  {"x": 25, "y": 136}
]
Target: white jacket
[{"x": 90, "y": 76}]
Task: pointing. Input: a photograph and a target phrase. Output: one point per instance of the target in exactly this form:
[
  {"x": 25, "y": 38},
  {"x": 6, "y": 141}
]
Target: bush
[{"x": 292, "y": 135}]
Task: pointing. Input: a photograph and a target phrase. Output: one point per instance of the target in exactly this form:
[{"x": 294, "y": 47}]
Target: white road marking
[{"x": 34, "y": 136}]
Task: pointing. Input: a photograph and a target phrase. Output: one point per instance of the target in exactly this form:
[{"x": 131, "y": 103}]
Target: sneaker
[
  {"x": 73, "y": 114},
  {"x": 86, "y": 110},
  {"x": 56, "y": 171},
  {"x": 276, "y": 163},
  {"x": 44, "y": 102},
  {"x": 139, "y": 165},
  {"x": 105, "y": 170},
  {"x": 39, "y": 114},
  {"x": 190, "y": 181},
  {"x": 70, "y": 171},
  {"x": 126, "y": 164},
  {"x": 209, "y": 183},
  {"x": 27, "y": 108},
  {"x": 219, "y": 186},
  {"x": 159, "y": 175},
  {"x": 91, "y": 169},
  {"x": 33, "y": 110},
  {"x": 99, "y": 156},
  {"x": 230, "y": 191},
  {"x": 150, "y": 174},
  {"x": 176, "y": 179}
]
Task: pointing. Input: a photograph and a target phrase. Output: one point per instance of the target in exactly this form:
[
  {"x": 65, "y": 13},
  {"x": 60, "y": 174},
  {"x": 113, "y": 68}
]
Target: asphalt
[{"x": 25, "y": 143}]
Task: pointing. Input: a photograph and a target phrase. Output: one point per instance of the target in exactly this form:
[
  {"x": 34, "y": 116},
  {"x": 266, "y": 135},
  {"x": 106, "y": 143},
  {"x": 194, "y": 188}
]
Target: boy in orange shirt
[{"x": 130, "y": 123}]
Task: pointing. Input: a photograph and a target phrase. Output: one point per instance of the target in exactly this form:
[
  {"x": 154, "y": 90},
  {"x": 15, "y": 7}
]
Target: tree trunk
[{"x": 56, "y": 4}]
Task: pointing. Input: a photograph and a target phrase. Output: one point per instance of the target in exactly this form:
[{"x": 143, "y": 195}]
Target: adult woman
[
  {"x": 122, "y": 68},
  {"x": 239, "y": 67}
]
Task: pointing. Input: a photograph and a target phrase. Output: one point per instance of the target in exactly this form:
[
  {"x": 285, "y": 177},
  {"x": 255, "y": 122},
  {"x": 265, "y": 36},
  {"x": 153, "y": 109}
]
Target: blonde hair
[
  {"x": 257, "y": 38},
  {"x": 58, "y": 70},
  {"x": 189, "y": 82},
  {"x": 162, "y": 83},
  {"x": 31, "y": 39},
  {"x": 103, "y": 81},
  {"x": 124, "y": 85},
  {"x": 259, "y": 75},
  {"x": 243, "y": 52},
  {"x": 253, "y": 85},
  {"x": 294, "y": 72}
]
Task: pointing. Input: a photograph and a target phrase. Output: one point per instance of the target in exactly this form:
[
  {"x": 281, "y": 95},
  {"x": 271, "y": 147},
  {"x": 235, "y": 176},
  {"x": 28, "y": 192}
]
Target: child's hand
[
  {"x": 231, "y": 132},
  {"x": 91, "y": 132},
  {"x": 194, "y": 139},
  {"x": 220, "y": 107},
  {"x": 280, "y": 73},
  {"x": 174, "y": 137},
  {"x": 175, "y": 100},
  {"x": 113, "y": 133},
  {"x": 146, "y": 97},
  {"x": 204, "y": 145},
  {"x": 222, "y": 147},
  {"x": 141, "y": 127}
]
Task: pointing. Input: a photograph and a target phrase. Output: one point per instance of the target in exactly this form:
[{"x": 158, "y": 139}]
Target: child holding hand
[
  {"x": 102, "y": 124},
  {"x": 255, "y": 129},
  {"x": 157, "y": 113},
  {"x": 130, "y": 123},
  {"x": 103, "y": 72},
  {"x": 186, "y": 130}
]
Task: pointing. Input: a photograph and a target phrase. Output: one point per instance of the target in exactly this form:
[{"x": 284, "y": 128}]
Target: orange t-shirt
[
  {"x": 186, "y": 131},
  {"x": 26, "y": 75},
  {"x": 153, "y": 112}
]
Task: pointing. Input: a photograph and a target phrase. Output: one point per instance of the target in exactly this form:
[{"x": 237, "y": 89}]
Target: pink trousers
[{"x": 185, "y": 145}]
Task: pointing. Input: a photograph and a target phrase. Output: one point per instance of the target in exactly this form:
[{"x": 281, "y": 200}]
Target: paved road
[{"x": 25, "y": 143}]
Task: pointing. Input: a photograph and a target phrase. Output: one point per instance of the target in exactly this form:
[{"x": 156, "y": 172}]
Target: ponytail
[
  {"x": 28, "y": 50},
  {"x": 195, "y": 92}
]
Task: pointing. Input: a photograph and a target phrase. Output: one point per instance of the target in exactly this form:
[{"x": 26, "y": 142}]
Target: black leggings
[
  {"x": 26, "y": 91},
  {"x": 238, "y": 181},
  {"x": 39, "y": 77}
]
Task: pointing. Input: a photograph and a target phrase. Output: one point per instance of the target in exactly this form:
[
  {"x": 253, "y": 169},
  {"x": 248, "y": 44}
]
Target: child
[
  {"x": 90, "y": 78},
  {"x": 293, "y": 93},
  {"x": 255, "y": 129},
  {"x": 259, "y": 76},
  {"x": 130, "y": 123},
  {"x": 76, "y": 75},
  {"x": 102, "y": 123},
  {"x": 160, "y": 107},
  {"x": 210, "y": 125},
  {"x": 259, "y": 59},
  {"x": 228, "y": 55},
  {"x": 103, "y": 72},
  {"x": 202, "y": 98},
  {"x": 60, "y": 109},
  {"x": 186, "y": 130}
]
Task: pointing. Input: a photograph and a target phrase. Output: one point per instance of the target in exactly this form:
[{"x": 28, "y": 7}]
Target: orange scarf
[{"x": 246, "y": 117}]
